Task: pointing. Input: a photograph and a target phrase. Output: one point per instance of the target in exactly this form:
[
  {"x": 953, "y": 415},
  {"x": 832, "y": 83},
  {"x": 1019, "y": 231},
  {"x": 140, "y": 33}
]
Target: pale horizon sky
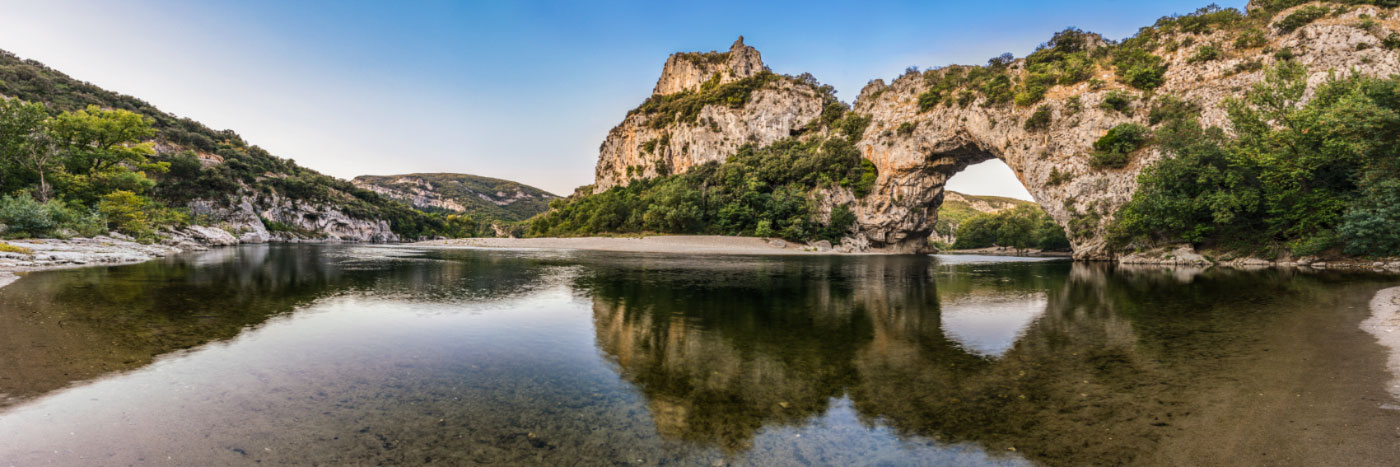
[{"x": 524, "y": 91}]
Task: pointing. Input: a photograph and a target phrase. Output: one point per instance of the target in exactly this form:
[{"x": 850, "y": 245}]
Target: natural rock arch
[{"x": 917, "y": 151}]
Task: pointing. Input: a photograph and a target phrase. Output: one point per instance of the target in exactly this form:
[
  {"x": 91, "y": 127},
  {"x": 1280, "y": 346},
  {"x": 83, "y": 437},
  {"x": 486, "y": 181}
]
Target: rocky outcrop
[
  {"x": 687, "y": 71},
  {"x": 779, "y": 108},
  {"x": 106, "y": 250},
  {"x": 917, "y": 151},
  {"x": 249, "y": 216}
]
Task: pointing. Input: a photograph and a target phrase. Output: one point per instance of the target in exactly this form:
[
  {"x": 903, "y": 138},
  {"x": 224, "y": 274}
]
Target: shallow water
[{"x": 391, "y": 355}]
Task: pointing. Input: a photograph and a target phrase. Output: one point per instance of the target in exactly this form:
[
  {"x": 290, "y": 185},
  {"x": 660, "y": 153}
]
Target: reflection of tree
[
  {"x": 720, "y": 354},
  {"x": 63, "y": 326},
  {"x": 1100, "y": 378}
]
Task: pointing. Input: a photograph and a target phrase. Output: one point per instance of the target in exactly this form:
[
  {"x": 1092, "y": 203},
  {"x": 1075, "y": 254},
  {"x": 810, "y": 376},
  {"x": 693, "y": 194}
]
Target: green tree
[
  {"x": 1310, "y": 177},
  {"x": 103, "y": 151},
  {"x": 24, "y": 143},
  {"x": 126, "y": 212},
  {"x": 1372, "y": 225}
]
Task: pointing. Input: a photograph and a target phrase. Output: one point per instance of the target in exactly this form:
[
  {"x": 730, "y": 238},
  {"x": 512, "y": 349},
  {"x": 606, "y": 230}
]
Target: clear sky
[{"x": 517, "y": 90}]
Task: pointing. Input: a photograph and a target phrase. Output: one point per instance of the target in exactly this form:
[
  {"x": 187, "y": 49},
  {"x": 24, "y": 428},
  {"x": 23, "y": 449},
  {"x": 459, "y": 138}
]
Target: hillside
[
  {"x": 210, "y": 176},
  {"x": 959, "y": 207},
  {"x": 481, "y": 197}
]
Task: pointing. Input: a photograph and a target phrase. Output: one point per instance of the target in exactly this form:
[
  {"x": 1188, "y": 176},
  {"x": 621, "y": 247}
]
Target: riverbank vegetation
[
  {"x": 87, "y": 169},
  {"x": 1022, "y": 227},
  {"x": 1306, "y": 179},
  {"x": 771, "y": 191}
]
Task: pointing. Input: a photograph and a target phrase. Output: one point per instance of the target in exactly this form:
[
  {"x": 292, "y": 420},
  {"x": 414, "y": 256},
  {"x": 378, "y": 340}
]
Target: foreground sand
[{"x": 685, "y": 244}]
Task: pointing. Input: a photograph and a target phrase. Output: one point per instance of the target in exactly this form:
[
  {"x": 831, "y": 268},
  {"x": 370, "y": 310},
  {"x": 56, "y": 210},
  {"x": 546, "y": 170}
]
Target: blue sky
[{"x": 518, "y": 90}]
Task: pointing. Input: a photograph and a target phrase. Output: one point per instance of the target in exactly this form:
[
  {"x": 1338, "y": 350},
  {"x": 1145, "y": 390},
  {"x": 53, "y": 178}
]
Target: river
[{"x": 344, "y": 354}]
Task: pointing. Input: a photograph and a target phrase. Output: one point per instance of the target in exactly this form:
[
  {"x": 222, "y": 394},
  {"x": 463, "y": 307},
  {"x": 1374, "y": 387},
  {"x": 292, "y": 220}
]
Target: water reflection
[
  {"x": 363, "y": 355},
  {"x": 1070, "y": 364},
  {"x": 59, "y": 327}
]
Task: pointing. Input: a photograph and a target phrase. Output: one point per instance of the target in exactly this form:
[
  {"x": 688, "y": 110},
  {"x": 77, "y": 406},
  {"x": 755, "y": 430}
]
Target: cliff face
[
  {"x": 277, "y": 219},
  {"x": 463, "y": 193},
  {"x": 657, "y": 142},
  {"x": 945, "y": 140},
  {"x": 917, "y": 151}
]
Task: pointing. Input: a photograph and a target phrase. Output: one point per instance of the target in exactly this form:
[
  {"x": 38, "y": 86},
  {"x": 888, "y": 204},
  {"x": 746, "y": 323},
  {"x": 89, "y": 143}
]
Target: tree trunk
[{"x": 43, "y": 188}]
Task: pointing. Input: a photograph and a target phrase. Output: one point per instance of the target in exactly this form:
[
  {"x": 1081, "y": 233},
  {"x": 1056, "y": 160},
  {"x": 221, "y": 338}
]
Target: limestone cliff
[
  {"x": 704, "y": 107},
  {"x": 917, "y": 148},
  {"x": 946, "y": 139}
]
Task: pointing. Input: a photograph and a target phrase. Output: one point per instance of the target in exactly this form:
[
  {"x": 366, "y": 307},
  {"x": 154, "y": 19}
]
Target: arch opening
[{"x": 985, "y": 207}]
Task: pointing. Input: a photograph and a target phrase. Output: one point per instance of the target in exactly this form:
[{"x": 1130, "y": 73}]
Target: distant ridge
[{"x": 478, "y": 196}]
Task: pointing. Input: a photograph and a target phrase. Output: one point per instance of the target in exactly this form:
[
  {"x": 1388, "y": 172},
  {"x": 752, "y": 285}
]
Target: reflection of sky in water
[
  {"x": 400, "y": 373},
  {"x": 990, "y": 325},
  {"x": 355, "y": 355}
]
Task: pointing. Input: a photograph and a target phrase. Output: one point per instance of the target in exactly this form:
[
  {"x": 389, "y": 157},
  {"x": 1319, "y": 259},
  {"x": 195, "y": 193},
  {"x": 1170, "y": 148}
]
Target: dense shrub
[
  {"x": 928, "y": 100},
  {"x": 1250, "y": 38},
  {"x": 1205, "y": 53},
  {"x": 1073, "y": 105},
  {"x": 1114, "y": 149},
  {"x": 1021, "y": 227},
  {"x": 1391, "y": 41},
  {"x": 25, "y": 217},
  {"x": 1308, "y": 178},
  {"x": 22, "y": 216},
  {"x": 1301, "y": 17},
  {"x": 1371, "y": 225},
  {"x": 1139, "y": 68},
  {"x": 1039, "y": 120},
  {"x": 1120, "y": 102},
  {"x": 1061, "y": 61},
  {"x": 1170, "y": 108},
  {"x": 1202, "y": 21},
  {"x": 997, "y": 89}
]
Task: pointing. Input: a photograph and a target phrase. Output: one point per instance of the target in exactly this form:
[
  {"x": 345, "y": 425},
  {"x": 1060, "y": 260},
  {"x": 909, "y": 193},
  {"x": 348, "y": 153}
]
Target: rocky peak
[
  {"x": 685, "y": 71},
  {"x": 871, "y": 89},
  {"x": 684, "y": 124}
]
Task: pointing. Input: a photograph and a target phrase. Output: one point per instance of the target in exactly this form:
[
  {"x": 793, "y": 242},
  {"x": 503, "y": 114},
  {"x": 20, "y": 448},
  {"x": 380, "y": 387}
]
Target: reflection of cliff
[
  {"x": 1113, "y": 362},
  {"x": 720, "y": 357},
  {"x": 64, "y": 326}
]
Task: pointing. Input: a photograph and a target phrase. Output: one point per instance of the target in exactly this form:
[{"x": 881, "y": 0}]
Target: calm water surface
[{"x": 392, "y": 355}]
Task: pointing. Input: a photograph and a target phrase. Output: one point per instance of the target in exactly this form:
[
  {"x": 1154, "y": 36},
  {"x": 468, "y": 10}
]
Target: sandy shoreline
[
  {"x": 1384, "y": 323},
  {"x": 680, "y": 244}
]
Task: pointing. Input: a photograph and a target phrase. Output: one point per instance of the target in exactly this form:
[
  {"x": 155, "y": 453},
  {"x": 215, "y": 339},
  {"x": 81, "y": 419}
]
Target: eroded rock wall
[
  {"x": 916, "y": 152},
  {"x": 914, "y": 166},
  {"x": 637, "y": 149}
]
